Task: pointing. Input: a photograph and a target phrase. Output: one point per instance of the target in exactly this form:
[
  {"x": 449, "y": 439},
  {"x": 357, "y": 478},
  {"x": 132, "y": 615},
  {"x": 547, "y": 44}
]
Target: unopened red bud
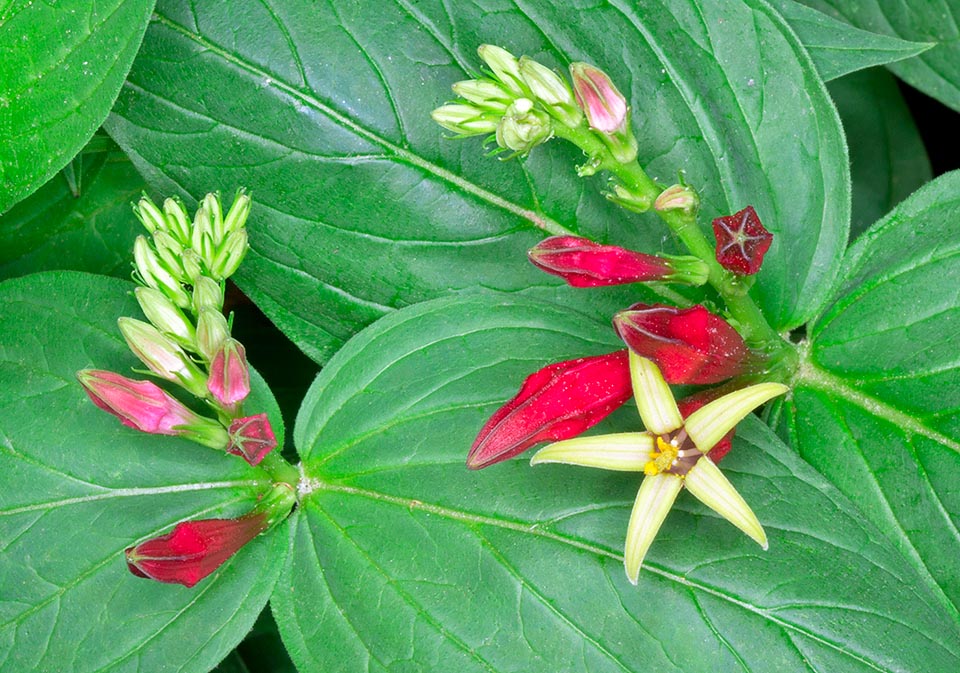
[
  {"x": 742, "y": 241},
  {"x": 557, "y": 402},
  {"x": 251, "y": 438},
  {"x": 584, "y": 263},
  {"x": 689, "y": 345},
  {"x": 229, "y": 379}
]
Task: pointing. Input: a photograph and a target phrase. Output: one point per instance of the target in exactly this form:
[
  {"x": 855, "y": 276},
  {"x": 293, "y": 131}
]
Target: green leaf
[
  {"x": 935, "y": 72},
  {"x": 875, "y": 406},
  {"x": 92, "y": 231},
  {"x": 77, "y": 487},
  {"x": 838, "y": 48},
  {"x": 402, "y": 558},
  {"x": 62, "y": 67},
  {"x": 887, "y": 156},
  {"x": 324, "y": 111}
]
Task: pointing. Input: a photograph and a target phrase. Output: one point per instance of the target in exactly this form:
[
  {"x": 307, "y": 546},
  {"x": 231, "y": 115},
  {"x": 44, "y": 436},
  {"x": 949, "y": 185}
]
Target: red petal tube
[
  {"x": 742, "y": 241},
  {"x": 251, "y": 438},
  {"x": 141, "y": 405},
  {"x": 557, "y": 402},
  {"x": 688, "y": 345},
  {"x": 583, "y": 263},
  {"x": 690, "y": 404},
  {"x": 194, "y": 549}
]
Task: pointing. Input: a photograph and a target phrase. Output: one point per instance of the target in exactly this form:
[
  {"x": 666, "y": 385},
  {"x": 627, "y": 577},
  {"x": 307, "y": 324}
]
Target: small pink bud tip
[
  {"x": 690, "y": 404},
  {"x": 691, "y": 346},
  {"x": 584, "y": 263},
  {"x": 251, "y": 438},
  {"x": 742, "y": 241},
  {"x": 141, "y": 405},
  {"x": 229, "y": 380},
  {"x": 557, "y": 402},
  {"x": 604, "y": 106},
  {"x": 194, "y": 549}
]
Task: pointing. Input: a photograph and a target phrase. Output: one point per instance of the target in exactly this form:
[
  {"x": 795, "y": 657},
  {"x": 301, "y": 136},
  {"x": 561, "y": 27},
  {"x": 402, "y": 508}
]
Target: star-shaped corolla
[{"x": 672, "y": 453}]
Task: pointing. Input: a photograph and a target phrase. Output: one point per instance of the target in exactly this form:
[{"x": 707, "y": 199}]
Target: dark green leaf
[
  {"x": 875, "y": 406},
  {"x": 935, "y": 72},
  {"x": 61, "y": 66},
  {"x": 400, "y": 558},
  {"x": 53, "y": 229},
  {"x": 887, "y": 156},
  {"x": 77, "y": 488},
  {"x": 324, "y": 111},
  {"x": 837, "y": 48}
]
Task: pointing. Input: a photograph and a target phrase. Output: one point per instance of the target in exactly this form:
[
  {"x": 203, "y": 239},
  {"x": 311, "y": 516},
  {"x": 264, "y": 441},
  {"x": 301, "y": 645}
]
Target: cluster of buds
[
  {"x": 186, "y": 341},
  {"x": 521, "y": 102}
]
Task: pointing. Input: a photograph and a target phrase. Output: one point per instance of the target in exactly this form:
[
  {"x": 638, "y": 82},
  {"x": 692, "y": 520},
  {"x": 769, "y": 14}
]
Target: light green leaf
[
  {"x": 837, "y": 48},
  {"x": 935, "y": 72},
  {"x": 875, "y": 406},
  {"x": 887, "y": 156},
  {"x": 400, "y": 558},
  {"x": 92, "y": 231},
  {"x": 324, "y": 110},
  {"x": 61, "y": 67},
  {"x": 77, "y": 487}
]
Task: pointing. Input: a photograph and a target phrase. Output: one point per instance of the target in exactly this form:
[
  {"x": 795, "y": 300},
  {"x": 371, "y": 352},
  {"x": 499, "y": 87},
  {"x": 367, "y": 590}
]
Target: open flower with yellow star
[{"x": 672, "y": 453}]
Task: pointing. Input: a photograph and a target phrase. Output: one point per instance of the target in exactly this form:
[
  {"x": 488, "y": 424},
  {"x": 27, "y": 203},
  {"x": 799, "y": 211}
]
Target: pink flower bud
[
  {"x": 141, "y": 405},
  {"x": 690, "y": 404},
  {"x": 557, "y": 402},
  {"x": 688, "y": 345},
  {"x": 604, "y": 105},
  {"x": 742, "y": 241},
  {"x": 251, "y": 438},
  {"x": 194, "y": 549},
  {"x": 229, "y": 380},
  {"x": 583, "y": 263}
]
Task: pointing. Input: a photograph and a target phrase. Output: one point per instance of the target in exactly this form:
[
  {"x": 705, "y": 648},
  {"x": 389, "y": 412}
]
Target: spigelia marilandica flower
[
  {"x": 690, "y": 345},
  {"x": 606, "y": 109},
  {"x": 144, "y": 406},
  {"x": 584, "y": 263},
  {"x": 195, "y": 549},
  {"x": 742, "y": 241},
  {"x": 672, "y": 453},
  {"x": 251, "y": 438},
  {"x": 557, "y": 402}
]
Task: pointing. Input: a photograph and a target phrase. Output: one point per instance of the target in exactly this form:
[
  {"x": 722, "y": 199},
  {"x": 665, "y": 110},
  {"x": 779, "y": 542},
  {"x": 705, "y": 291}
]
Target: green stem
[
  {"x": 753, "y": 324},
  {"x": 279, "y": 469}
]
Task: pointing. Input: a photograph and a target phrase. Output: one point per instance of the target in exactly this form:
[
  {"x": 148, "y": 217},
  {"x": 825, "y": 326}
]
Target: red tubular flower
[
  {"x": 742, "y": 241},
  {"x": 557, "y": 402},
  {"x": 690, "y": 404},
  {"x": 194, "y": 549},
  {"x": 583, "y": 263},
  {"x": 688, "y": 345},
  {"x": 229, "y": 380},
  {"x": 251, "y": 438}
]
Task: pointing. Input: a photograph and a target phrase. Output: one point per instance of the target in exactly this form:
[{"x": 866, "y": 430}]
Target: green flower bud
[
  {"x": 149, "y": 215},
  {"x": 211, "y": 204},
  {"x": 192, "y": 265},
  {"x": 164, "y": 357},
  {"x": 523, "y": 127},
  {"x": 170, "y": 253},
  {"x": 166, "y": 316},
  {"x": 485, "y": 94},
  {"x": 153, "y": 273},
  {"x": 552, "y": 91},
  {"x": 678, "y": 197},
  {"x": 236, "y": 218},
  {"x": 207, "y": 293},
  {"x": 505, "y": 67},
  {"x": 212, "y": 332},
  {"x": 177, "y": 220},
  {"x": 465, "y": 120},
  {"x": 229, "y": 256}
]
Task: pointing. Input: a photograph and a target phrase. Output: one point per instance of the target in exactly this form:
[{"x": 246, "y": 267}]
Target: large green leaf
[
  {"x": 875, "y": 406},
  {"x": 887, "y": 156},
  {"x": 61, "y": 67},
  {"x": 838, "y": 48},
  {"x": 90, "y": 231},
  {"x": 401, "y": 559},
  {"x": 324, "y": 111},
  {"x": 76, "y": 488},
  {"x": 935, "y": 72}
]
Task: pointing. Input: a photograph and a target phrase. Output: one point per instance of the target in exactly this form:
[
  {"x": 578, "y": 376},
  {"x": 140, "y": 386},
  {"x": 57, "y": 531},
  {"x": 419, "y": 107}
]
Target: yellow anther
[{"x": 661, "y": 458}]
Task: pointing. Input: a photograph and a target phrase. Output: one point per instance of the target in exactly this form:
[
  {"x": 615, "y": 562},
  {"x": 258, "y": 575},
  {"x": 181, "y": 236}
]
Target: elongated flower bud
[
  {"x": 485, "y": 94},
  {"x": 154, "y": 274},
  {"x": 466, "y": 120},
  {"x": 166, "y": 316},
  {"x": 551, "y": 91},
  {"x": 742, "y": 241},
  {"x": 149, "y": 215},
  {"x": 195, "y": 549},
  {"x": 229, "y": 255},
  {"x": 179, "y": 223},
  {"x": 212, "y": 332},
  {"x": 164, "y": 358},
  {"x": 557, "y": 402},
  {"x": 584, "y": 263},
  {"x": 606, "y": 109},
  {"x": 236, "y": 217},
  {"x": 505, "y": 67},
  {"x": 251, "y": 438},
  {"x": 207, "y": 293},
  {"x": 688, "y": 345},
  {"x": 229, "y": 380},
  {"x": 146, "y": 407}
]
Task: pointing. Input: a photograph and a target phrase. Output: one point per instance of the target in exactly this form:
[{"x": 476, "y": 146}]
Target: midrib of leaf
[
  {"x": 131, "y": 493},
  {"x": 310, "y": 485},
  {"x": 538, "y": 220}
]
